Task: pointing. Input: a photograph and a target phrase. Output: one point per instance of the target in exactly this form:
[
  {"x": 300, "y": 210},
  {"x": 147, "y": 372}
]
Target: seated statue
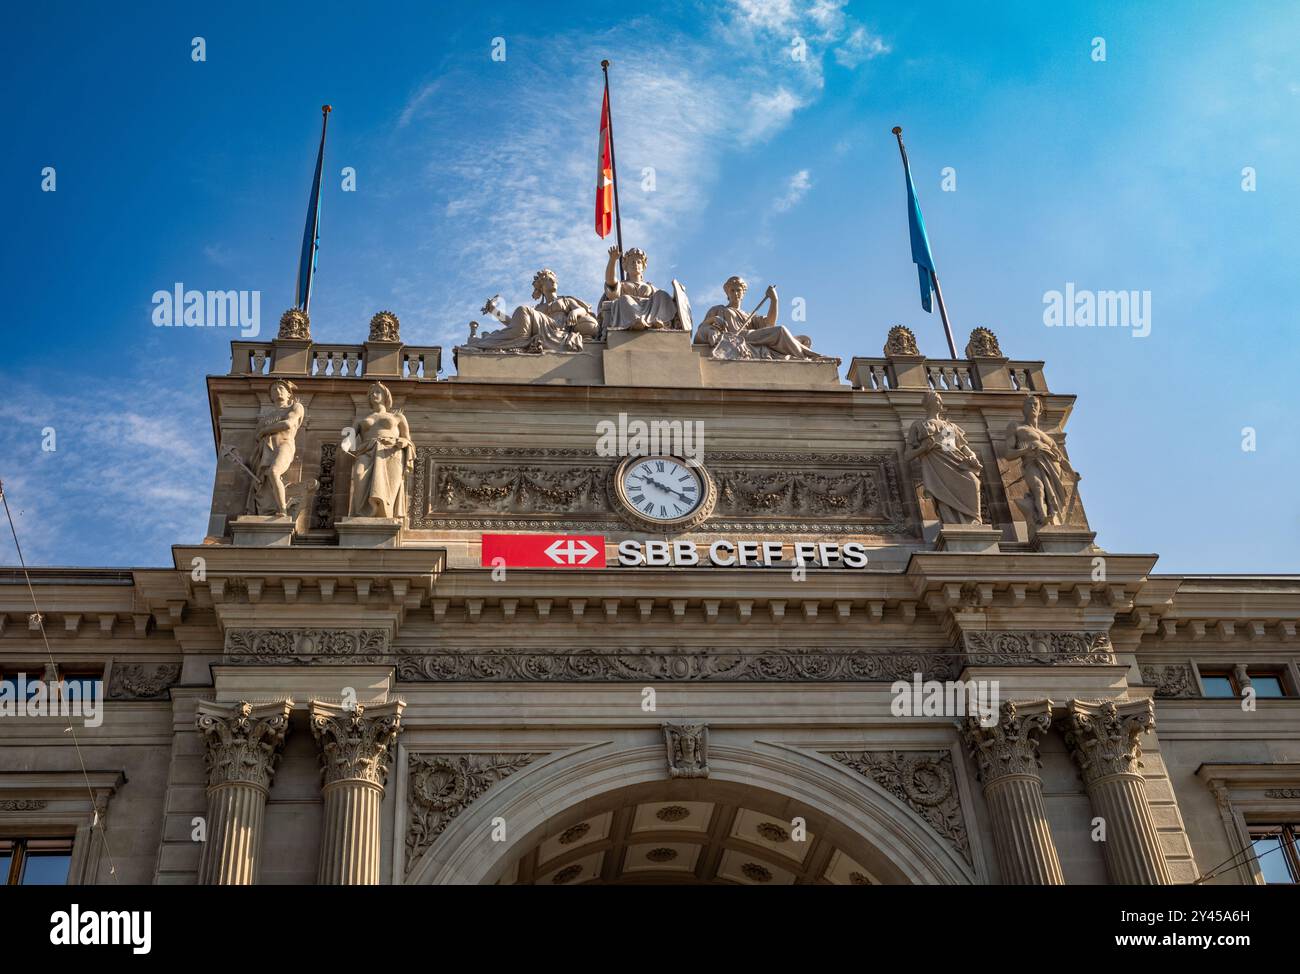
[
  {"x": 557, "y": 323},
  {"x": 635, "y": 304},
  {"x": 736, "y": 334}
]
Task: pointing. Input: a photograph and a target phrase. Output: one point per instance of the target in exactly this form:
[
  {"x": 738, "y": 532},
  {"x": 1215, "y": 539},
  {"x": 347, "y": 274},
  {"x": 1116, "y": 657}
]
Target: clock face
[{"x": 661, "y": 489}]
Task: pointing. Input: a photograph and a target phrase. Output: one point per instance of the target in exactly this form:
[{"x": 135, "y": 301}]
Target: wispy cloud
[
  {"x": 418, "y": 100},
  {"x": 130, "y": 460},
  {"x": 796, "y": 188},
  {"x": 861, "y": 45}
]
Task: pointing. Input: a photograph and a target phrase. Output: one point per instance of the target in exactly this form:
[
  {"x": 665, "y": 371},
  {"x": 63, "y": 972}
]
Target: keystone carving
[
  {"x": 243, "y": 741},
  {"x": 688, "y": 750}
]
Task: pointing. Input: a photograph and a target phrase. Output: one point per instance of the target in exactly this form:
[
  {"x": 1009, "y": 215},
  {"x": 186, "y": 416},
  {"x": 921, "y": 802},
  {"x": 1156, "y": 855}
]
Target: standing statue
[
  {"x": 382, "y": 455},
  {"x": 736, "y": 334},
  {"x": 1041, "y": 466},
  {"x": 277, "y": 426},
  {"x": 557, "y": 323},
  {"x": 635, "y": 304},
  {"x": 950, "y": 470}
]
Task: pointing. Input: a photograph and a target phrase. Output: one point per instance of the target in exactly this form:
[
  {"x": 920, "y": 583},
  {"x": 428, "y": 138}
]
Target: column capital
[
  {"x": 243, "y": 740},
  {"x": 1010, "y": 746},
  {"x": 1103, "y": 736},
  {"x": 355, "y": 741}
]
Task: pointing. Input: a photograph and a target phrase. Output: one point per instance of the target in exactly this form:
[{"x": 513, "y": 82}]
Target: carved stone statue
[
  {"x": 1041, "y": 464},
  {"x": 383, "y": 454},
  {"x": 277, "y": 426},
  {"x": 900, "y": 341},
  {"x": 635, "y": 304},
  {"x": 688, "y": 750},
  {"x": 983, "y": 344},
  {"x": 734, "y": 333},
  {"x": 557, "y": 323},
  {"x": 950, "y": 470}
]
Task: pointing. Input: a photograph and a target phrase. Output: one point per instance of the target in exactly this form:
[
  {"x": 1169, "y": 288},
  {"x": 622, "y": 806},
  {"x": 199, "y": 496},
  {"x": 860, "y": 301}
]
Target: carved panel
[
  {"x": 465, "y": 488},
  {"x": 306, "y": 645},
  {"x": 1016, "y": 648},
  {"x": 322, "y": 511},
  {"x": 442, "y": 786},
  {"x": 1282, "y": 793},
  {"x": 923, "y": 780},
  {"x": 1174, "y": 680},
  {"x": 22, "y": 804},
  {"x": 637, "y": 665},
  {"x": 143, "y": 681}
]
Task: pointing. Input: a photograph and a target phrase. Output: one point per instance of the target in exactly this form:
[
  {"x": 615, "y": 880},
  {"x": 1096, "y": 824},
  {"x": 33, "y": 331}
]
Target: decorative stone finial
[
  {"x": 384, "y": 327},
  {"x": 295, "y": 324},
  {"x": 983, "y": 344},
  {"x": 900, "y": 341}
]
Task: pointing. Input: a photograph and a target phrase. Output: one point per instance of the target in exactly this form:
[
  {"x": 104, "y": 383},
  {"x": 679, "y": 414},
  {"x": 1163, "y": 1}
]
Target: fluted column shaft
[
  {"x": 350, "y": 843},
  {"x": 1103, "y": 740},
  {"x": 1007, "y": 755},
  {"x": 355, "y": 752},
  {"x": 243, "y": 745}
]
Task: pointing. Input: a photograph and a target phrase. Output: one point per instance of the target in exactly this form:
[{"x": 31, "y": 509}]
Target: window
[
  {"x": 35, "y": 862},
  {"x": 1267, "y": 683},
  {"x": 1276, "y": 852},
  {"x": 1220, "y": 683}
]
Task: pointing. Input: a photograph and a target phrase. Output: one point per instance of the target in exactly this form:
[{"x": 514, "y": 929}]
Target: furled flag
[
  {"x": 311, "y": 232},
  {"x": 604, "y": 174},
  {"x": 920, "y": 242}
]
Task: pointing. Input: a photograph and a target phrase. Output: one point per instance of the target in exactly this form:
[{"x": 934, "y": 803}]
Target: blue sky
[{"x": 472, "y": 173}]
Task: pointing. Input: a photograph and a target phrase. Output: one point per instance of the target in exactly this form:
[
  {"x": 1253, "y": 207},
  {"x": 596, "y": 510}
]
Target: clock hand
[{"x": 670, "y": 490}]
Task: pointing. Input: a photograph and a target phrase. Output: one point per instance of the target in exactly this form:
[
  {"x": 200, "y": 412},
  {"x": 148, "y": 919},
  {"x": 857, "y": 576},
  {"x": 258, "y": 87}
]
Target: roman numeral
[
  {"x": 659, "y": 465},
  {"x": 649, "y": 508},
  {"x": 638, "y": 499}
]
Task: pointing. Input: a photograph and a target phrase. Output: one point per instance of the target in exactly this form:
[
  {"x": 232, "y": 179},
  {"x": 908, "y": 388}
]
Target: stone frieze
[
  {"x": 1017, "y": 648},
  {"x": 306, "y": 645},
  {"x": 142, "y": 681}
]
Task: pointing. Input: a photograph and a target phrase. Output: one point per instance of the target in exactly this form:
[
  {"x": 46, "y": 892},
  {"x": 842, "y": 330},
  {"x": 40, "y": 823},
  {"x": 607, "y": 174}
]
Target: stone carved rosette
[
  {"x": 243, "y": 741},
  {"x": 356, "y": 742}
]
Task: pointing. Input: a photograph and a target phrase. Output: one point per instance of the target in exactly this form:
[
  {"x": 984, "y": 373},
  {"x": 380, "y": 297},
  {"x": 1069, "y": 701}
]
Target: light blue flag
[
  {"x": 920, "y": 242},
  {"x": 311, "y": 232}
]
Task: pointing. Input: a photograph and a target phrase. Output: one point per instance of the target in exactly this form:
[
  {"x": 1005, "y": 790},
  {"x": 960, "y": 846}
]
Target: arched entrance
[{"x": 610, "y": 815}]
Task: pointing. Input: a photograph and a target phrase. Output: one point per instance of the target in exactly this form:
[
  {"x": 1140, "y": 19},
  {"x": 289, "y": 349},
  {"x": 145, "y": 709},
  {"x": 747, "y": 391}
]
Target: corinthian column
[
  {"x": 244, "y": 743},
  {"x": 354, "y": 768},
  {"x": 1103, "y": 740},
  {"x": 1007, "y": 756}
]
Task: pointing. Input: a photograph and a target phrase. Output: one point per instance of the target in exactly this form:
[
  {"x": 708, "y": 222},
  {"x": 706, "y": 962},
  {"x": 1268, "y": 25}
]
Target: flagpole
[
  {"x": 613, "y": 164},
  {"x": 934, "y": 278}
]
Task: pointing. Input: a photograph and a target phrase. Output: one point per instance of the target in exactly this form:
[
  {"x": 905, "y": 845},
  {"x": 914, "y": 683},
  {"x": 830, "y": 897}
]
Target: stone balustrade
[
  {"x": 946, "y": 375},
  {"x": 302, "y": 358}
]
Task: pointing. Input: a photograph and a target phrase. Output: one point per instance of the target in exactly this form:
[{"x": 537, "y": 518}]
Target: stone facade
[{"x": 359, "y": 699}]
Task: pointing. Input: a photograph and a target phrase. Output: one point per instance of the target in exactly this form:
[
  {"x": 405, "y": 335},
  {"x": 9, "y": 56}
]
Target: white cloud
[
  {"x": 770, "y": 113},
  {"x": 418, "y": 100},
  {"x": 861, "y": 45},
  {"x": 796, "y": 189}
]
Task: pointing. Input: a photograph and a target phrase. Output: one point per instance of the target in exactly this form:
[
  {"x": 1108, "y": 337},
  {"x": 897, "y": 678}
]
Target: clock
[{"x": 663, "y": 492}]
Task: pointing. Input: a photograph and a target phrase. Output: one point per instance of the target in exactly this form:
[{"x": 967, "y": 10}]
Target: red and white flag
[{"x": 604, "y": 174}]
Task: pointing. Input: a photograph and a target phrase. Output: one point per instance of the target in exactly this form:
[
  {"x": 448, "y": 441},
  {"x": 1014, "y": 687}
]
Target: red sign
[{"x": 543, "y": 551}]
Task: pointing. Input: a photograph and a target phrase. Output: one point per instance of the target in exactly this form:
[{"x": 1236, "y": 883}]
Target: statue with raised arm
[
  {"x": 733, "y": 333},
  {"x": 634, "y": 304},
  {"x": 950, "y": 470},
  {"x": 382, "y": 456},
  {"x": 556, "y": 323},
  {"x": 1041, "y": 465},
  {"x": 277, "y": 426}
]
